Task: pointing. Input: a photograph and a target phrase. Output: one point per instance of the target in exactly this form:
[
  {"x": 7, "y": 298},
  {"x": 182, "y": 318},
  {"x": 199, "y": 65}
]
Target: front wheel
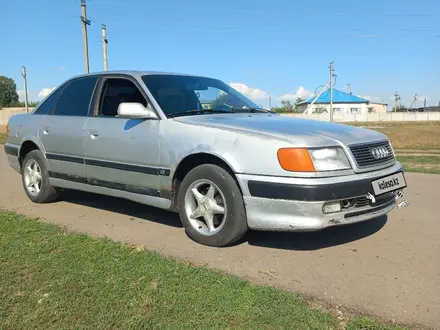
[{"x": 211, "y": 206}]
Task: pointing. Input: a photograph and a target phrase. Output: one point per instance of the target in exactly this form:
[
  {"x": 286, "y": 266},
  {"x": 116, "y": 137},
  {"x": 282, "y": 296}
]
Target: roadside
[
  {"x": 421, "y": 164},
  {"x": 105, "y": 284},
  {"x": 408, "y": 135},
  {"x": 417, "y": 144},
  {"x": 2, "y": 138}
]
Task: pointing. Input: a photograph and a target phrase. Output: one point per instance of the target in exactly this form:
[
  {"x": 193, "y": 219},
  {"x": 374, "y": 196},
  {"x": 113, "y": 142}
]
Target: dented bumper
[{"x": 296, "y": 204}]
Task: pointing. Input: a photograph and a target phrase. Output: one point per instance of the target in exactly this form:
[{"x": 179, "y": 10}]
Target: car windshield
[{"x": 180, "y": 95}]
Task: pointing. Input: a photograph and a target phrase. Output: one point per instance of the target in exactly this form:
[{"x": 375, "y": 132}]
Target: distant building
[
  {"x": 343, "y": 103},
  {"x": 377, "y": 107},
  {"x": 422, "y": 109}
]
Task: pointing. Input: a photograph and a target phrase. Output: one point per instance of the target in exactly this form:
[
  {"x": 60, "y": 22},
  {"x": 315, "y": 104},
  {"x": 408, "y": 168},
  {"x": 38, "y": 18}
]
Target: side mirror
[{"x": 135, "y": 110}]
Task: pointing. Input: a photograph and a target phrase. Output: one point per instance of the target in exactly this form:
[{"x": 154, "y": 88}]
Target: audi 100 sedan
[{"x": 196, "y": 146}]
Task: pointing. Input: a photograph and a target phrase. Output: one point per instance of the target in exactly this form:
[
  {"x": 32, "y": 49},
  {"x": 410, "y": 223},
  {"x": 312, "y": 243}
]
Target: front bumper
[{"x": 296, "y": 204}]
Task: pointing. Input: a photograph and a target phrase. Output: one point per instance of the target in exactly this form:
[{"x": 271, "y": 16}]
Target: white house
[{"x": 342, "y": 103}]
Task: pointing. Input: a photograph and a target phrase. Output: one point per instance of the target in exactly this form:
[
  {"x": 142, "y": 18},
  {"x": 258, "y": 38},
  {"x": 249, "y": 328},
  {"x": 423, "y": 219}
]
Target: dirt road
[{"x": 389, "y": 267}]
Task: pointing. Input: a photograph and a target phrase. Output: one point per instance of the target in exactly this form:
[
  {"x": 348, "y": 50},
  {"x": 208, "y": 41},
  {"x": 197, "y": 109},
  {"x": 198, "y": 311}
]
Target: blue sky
[{"x": 280, "y": 48}]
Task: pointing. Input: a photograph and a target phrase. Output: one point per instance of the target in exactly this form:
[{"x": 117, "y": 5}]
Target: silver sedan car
[{"x": 196, "y": 146}]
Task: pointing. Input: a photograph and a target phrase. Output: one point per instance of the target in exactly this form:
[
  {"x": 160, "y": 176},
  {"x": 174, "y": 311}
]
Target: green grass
[
  {"x": 2, "y": 138},
  {"x": 421, "y": 164},
  {"x": 53, "y": 279},
  {"x": 408, "y": 135}
]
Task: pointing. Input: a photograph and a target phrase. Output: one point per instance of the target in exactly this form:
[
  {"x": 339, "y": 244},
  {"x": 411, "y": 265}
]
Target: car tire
[
  {"x": 35, "y": 178},
  {"x": 224, "y": 229}
]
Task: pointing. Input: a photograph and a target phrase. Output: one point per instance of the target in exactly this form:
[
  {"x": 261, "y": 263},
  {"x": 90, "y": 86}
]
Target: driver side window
[{"x": 116, "y": 91}]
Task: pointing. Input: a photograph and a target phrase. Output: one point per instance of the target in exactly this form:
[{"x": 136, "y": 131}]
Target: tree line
[
  {"x": 8, "y": 94},
  {"x": 288, "y": 106}
]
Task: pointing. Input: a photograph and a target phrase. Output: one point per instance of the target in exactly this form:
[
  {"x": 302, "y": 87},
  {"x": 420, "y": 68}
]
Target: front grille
[
  {"x": 363, "y": 155},
  {"x": 363, "y": 201},
  {"x": 380, "y": 204}
]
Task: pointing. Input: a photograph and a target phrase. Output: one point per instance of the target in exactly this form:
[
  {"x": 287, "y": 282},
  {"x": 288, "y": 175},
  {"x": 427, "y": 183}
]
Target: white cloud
[
  {"x": 44, "y": 92},
  {"x": 252, "y": 93},
  {"x": 21, "y": 95},
  {"x": 301, "y": 92}
]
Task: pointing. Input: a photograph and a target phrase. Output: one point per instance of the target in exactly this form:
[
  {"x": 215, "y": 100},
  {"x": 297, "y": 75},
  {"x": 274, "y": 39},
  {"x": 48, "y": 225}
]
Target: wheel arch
[
  {"x": 27, "y": 146},
  {"x": 191, "y": 161}
]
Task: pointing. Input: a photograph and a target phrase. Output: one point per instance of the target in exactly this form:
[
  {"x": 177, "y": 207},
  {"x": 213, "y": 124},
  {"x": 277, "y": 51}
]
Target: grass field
[
  {"x": 52, "y": 279},
  {"x": 2, "y": 138},
  {"x": 409, "y": 135},
  {"x": 421, "y": 164},
  {"x": 417, "y": 144}
]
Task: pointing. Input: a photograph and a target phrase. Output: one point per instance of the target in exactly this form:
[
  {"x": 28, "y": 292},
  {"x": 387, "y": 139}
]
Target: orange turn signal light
[{"x": 295, "y": 160}]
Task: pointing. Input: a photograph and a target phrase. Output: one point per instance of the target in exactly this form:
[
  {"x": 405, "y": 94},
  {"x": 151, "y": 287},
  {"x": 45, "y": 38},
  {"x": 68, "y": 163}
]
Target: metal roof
[{"x": 338, "y": 97}]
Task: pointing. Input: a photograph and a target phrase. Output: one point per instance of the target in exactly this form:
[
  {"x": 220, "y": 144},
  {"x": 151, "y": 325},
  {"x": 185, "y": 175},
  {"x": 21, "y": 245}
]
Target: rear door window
[
  {"x": 75, "y": 97},
  {"x": 45, "y": 107}
]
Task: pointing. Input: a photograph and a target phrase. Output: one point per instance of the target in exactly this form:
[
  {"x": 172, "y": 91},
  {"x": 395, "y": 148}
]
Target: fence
[
  {"x": 374, "y": 117},
  {"x": 6, "y": 113}
]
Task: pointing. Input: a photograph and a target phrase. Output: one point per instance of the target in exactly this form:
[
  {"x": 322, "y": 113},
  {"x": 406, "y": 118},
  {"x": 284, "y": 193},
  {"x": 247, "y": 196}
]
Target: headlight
[
  {"x": 313, "y": 160},
  {"x": 329, "y": 159}
]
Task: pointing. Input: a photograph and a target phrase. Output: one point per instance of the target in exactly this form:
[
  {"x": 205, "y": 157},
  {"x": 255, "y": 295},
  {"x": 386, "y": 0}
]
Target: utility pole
[
  {"x": 85, "y": 22},
  {"x": 413, "y": 102},
  {"x": 396, "y": 98},
  {"x": 348, "y": 88},
  {"x": 270, "y": 102},
  {"x": 104, "y": 45},
  {"x": 23, "y": 73},
  {"x": 331, "y": 90}
]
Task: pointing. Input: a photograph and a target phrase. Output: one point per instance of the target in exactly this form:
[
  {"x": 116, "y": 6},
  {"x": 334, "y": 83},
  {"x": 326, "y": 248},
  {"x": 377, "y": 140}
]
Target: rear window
[
  {"x": 75, "y": 97},
  {"x": 45, "y": 107}
]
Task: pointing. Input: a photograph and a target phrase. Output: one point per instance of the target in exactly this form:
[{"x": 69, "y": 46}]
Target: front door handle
[{"x": 46, "y": 130}]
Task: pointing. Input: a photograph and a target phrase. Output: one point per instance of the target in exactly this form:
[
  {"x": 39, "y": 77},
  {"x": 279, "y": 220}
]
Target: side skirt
[{"x": 137, "y": 194}]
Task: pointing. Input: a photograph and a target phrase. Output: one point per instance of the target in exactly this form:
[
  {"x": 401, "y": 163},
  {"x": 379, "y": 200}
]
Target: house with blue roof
[{"x": 343, "y": 103}]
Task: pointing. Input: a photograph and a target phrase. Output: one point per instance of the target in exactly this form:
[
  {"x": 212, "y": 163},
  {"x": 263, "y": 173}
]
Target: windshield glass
[{"x": 186, "y": 95}]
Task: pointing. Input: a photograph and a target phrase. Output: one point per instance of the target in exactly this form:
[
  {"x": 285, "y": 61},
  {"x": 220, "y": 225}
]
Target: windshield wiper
[
  {"x": 253, "y": 110},
  {"x": 196, "y": 111}
]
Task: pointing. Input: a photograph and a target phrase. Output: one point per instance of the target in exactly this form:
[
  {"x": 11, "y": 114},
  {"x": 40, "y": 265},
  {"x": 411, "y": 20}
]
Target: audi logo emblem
[{"x": 380, "y": 152}]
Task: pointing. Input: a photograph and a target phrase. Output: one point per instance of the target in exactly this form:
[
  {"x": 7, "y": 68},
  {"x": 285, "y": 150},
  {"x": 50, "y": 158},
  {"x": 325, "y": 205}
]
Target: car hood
[{"x": 301, "y": 132}]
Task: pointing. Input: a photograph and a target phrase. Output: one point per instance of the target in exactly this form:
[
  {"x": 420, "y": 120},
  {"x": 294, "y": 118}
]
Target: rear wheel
[
  {"x": 211, "y": 206},
  {"x": 35, "y": 178}
]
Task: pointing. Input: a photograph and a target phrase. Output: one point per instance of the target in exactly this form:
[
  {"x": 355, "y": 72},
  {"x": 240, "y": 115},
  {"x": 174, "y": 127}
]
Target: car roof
[{"x": 134, "y": 73}]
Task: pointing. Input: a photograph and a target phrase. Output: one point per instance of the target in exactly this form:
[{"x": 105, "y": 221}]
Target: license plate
[{"x": 389, "y": 183}]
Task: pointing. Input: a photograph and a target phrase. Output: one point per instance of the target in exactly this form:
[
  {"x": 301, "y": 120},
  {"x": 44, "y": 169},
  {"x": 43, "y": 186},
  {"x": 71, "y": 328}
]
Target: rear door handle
[
  {"x": 46, "y": 130},
  {"x": 94, "y": 134}
]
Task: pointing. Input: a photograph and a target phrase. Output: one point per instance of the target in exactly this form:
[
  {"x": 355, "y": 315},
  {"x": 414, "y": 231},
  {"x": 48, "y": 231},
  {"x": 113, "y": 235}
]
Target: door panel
[
  {"x": 123, "y": 154},
  {"x": 62, "y": 138}
]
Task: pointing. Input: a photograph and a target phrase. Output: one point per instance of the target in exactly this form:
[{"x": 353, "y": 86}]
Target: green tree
[
  {"x": 298, "y": 100},
  {"x": 400, "y": 106},
  {"x": 288, "y": 106},
  {"x": 8, "y": 92}
]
